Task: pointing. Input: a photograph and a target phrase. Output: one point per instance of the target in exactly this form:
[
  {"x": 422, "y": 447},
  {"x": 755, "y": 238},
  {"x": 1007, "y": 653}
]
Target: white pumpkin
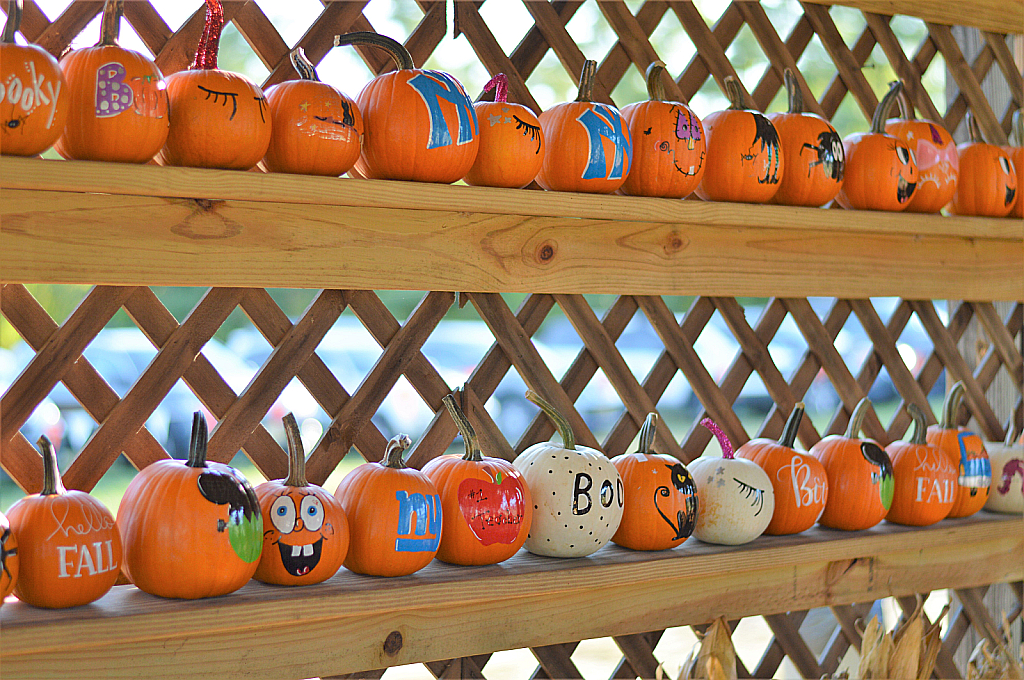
[
  {"x": 1006, "y": 493},
  {"x": 577, "y": 493},
  {"x": 736, "y": 496}
]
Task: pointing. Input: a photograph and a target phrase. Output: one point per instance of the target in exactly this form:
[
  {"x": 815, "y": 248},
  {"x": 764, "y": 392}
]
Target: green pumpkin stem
[
  {"x": 735, "y": 94},
  {"x": 395, "y": 49},
  {"x": 587, "y": 77},
  {"x": 13, "y": 23},
  {"x": 655, "y": 88},
  {"x": 465, "y": 427},
  {"x": 393, "y": 453},
  {"x": 302, "y": 65},
  {"x": 794, "y": 95},
  {"x": 647, "y": 431},
  {"x": 197, "y": 447},
  {"x": 788, "y": 437},
  {"x": 1014, "y": 426},
  {"x": 857, "y": 418},
  {"x": 563, "y": 426},
  {"x": 884, "y": 106},
  {"x": 296, "y": 456},
  {"x": 920, "y": 424},
  {"x": 110, "y": 25},
  {"x": 52, "y": 483},
  {"x": 951, "y": 406},
  {"x": 973, "y": 131},
  {"x": 1018, "y": 128}
]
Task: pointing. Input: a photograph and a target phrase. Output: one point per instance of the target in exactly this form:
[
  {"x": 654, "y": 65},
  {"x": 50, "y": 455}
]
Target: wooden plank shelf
[
  {"x": 63, "y": 222},
  {"x": 353, "y": 623},
  {"x": 999, "y": 16}
]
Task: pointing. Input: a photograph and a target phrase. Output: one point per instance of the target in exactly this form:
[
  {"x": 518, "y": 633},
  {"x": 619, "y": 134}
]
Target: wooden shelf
[
  {"x": 998, "y": 16},
  {"x": 99, "y": 223},
  {"x": 443, "y": 611}
]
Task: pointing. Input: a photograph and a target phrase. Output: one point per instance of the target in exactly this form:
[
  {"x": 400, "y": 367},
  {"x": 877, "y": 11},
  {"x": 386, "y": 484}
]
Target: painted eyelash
[
  {"x": 217, "y": 95},
  {"x": 262, "y": 101},
  {"x": 749, "y": 491},
  {"x": 528, "y": 129}
]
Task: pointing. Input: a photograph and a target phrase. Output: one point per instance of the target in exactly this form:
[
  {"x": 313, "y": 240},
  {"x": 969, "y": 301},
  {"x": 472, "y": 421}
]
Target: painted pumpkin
[
  {"x": 69, "y": 549},
  {"x": 511, "y": 141},
  {"x": 219, "y": 119},
  {"x": 988, "y": 178},
  {"x": 745, "y": 161},
  {"x": 737, "y": 500},
  {"x": 925, "y": 479},
  {"x": 587, "y": 145},
  {"x": 306, "y": 532},
  {"x": 486, "y": 506},
  {"x": 577, "y": 493},
  {"x": 33, "y": 94},
  {"x": 1006, "y": 493},
  {"x": 316, "y": 128},
  {"x": 815, "y": 159},
  {"x": 190, "y": 529},
  {"x": 419, "y": 124},
  {"x": 966, "y": 451},
  {"x": 1016, "y": 154},
  {"x": 660, "y": 498},
  {"x": 860, "y": 477},
  {"x": 798, "y": 479},
  {"x": 668, "y": 143},
  {"x": 9, "y": 562},
  {"x": 118, "y": 108},
  {"x": 938, "y": 163},
  {"x": 881, "y": 171},
  {"x": 394, "y": 514}
]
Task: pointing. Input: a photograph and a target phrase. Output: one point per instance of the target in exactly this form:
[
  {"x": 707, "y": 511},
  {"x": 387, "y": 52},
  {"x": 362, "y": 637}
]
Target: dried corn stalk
[
  {"x": 907, "y": 653},
  {"x": 715, "y": 658},
  {"x": 998, "y": 662}
]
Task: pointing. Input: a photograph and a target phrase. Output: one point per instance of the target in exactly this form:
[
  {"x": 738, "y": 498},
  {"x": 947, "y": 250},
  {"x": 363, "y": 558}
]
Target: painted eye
[
  {"x": 1004, "y": 163},
  {"x": 903, "y": 153},
  {"x": 282, "y": 514},
  {"x": 312, "y": 513}
]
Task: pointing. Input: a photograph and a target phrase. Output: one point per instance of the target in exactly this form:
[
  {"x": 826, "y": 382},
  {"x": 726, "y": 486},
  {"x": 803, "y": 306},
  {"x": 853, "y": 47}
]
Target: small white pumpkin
[
  {"x": 736, "y": 496},
  {"x": 1006, "y": 493},
  {"x": 577, "y": 493}
]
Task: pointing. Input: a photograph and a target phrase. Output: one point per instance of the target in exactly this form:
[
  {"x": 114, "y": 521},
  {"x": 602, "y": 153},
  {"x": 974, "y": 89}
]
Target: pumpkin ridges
[
  {"x": 922, "y": 472},
  {"x": 965, "y": 450},
  {"x": 987, "y": 178},
  {"x": 506, "y": 157}
]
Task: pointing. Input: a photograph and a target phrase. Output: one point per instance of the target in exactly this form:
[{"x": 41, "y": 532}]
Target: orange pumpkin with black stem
[
  {"x": 118, "y": 109},
  {"x": 588, "y": 145},
  {"x": 925, "y": 478},
  {"x": 486, "y": 506},
  {"x": 511, "y": 141},
  {"x": 988, "y": 178},
  {"x": 881, "y": 171},
  {"x": 668, "y": 143},
  {"x": 966, "y": 451},
  {"x": 799, "y": 479},
  {"x": 9, "y": 562},
  {"x": 814, "y": 155},
  {"x": 33, "y": 94},
  {"x": 306, "y": 532},
  {"x": 938, "y": 163},
  {"x": 1016, "y": 154},
  {"x": 69, "y": 547}
]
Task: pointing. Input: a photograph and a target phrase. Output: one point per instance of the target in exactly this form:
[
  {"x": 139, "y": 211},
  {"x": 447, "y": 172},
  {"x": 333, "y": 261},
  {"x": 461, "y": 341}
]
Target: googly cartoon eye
[
  {"x": 312, "y": 511},
  {"x": 903, "y": 153},
  {"x": 282, "y": 514},
  {"x": 1004, "y": 163}
]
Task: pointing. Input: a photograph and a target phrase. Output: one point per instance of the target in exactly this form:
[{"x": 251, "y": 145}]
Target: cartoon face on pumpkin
[
  {"x": 1008, "y": 180},
  {"x": 906, "y": 171},
  {"x": 688, "y": 128},
  {"x": 299, "y": 529}
]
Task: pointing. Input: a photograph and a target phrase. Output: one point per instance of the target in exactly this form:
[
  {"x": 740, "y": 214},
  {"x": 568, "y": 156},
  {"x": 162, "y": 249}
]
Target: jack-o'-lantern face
[{"x": 299, "y": 530}]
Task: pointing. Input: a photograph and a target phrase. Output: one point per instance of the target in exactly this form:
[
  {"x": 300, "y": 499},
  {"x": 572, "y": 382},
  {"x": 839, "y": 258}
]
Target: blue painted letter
[
  {"x": 437, "y": 86},
  {"x": 428, "y": 521},
  {"x": 607, "y": 125}
]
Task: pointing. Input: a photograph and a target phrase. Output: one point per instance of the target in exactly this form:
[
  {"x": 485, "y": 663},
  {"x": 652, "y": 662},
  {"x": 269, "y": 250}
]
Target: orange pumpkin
[
  {"x": 219, "y": 119},
  {"x": 745, "y": 157},
  {"x": 925, "y": 478},
  {"x": 661, "y": 504},
  {"x": 317, "y": 128},
  {"x": 33, "y": 93},
  {"x": 69, "y": 548},
  {"x": 485, "y": 504},
  {"x": 799, "y": 479},
  {"x": 191, "y": 529},
  {"x": 588, "y": 148},
  {"x": 9, "y": 562},
  {"x": 938, "y": 163},
  {"x": 419, "y": 124},
  {"x": 511, "y": 141},
  {"x": 669, "y": 145},
  {"x": 967, "y": 452},
  {"x": 1016, "y": 154},
  {"x": 394, "y": 515},
  {"x": 118, "y": 109},
  {"x": 881, "y": 171},
  {"x": 988, "y": 178},
  {"x": 306, "y": 536},
  {"x": 814, "y": 155},
  {"x": 860, "y": 478}
]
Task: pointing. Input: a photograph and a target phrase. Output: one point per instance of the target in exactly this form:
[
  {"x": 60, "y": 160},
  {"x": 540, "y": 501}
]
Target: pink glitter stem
[
  {"x": 723, "y": 440},
  {"x": 499, "y": 83}
]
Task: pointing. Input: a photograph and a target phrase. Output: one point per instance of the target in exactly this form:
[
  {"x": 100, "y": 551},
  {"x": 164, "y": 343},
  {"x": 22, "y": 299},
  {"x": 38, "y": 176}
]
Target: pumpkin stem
[
  {"x": 52, "y": 484},
  {"x": 296, "y": 456},
  {"x": 884, "y": 106},
  {"x": 13, "y": 23},
  {"x": 788, "y": 437},
  {"x": 395, "y": 49},
  {"x": 563, "y": 426},
  {"x": 735, "y": 94},
  {"x": 1018, "y": 126},
  {"x": 499, "y": 84},
  {"x": 209, "y": 44},
  {"x": 920, "y": 424},
  {"x": 905, "y": 107},
  {"x": 951, "y": 405},
  {"x": 465, "y": 427},
  {"x": 197, "y": 447},
  {"x": 110, "y": 25},
  {"x": 857, "y": 419},
  {"x": 302, "y": 65},
  {"x": 1013, "y": 428},
  {"x": 393, "y": 453},
  {"x": 973, "y": 131},
  {"x": 723, "y": 440},
  {"x": 587, "y": 76},
  {"x": 794, "y": 95},
  {"x": 655, "y": 88},
  {"x": 648, "y": 429}
]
